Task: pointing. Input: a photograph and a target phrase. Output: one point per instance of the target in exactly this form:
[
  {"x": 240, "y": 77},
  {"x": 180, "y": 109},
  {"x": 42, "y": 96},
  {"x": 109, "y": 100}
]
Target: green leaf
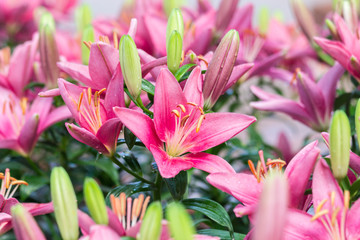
[
  {"x": 211, "y": 209},
  {"x": 132, "y": 162},
  {"x": 355, "y": 187},
  {"x": 35, "y": 183},
  {"x": 130, "y": 138},
  {"x": 180, "y": 73},
  {"x": 129, "y": 189},
  {"x": 147, "y": 87},
  {"x": 224, "y": 235},
  {"x": 177, "y": 185},
  {"x": 33, "y": 85}
]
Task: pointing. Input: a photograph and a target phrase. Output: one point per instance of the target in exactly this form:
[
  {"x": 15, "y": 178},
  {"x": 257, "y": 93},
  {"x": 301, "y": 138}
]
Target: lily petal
[
  {"x": 108, "y": 134},
  {"x": 77, "y": 71},
  {"x": 28, "y": 134},
  {"x": 213, "y": 131},
  {"x": 209, "y": 163},
  {"x": 147, "y": 133},
  {"x": 193, "y": 87},
  {"x": 114, "y": 93},
  {"x": 86, "y": 137}
]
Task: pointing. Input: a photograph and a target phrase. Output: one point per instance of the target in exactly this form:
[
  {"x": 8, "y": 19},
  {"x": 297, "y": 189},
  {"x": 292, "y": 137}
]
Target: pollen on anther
[
  {"x": 201, "y": 119},
  {"x": 80, "y": 100},
  {"x": 176, "y": 112},
  {"x": 183, "y": 109}
]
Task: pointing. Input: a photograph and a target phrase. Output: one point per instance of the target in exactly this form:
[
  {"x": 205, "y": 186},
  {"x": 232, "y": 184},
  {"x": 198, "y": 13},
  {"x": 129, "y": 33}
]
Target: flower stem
[
  {"x": 157, "y": 189},
  {"x": 123, "y": 167},
  {"x": 33, "y": 166}
]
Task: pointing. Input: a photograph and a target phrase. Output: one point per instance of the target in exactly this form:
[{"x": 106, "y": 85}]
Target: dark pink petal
[
  {"x": 168, "y": 95},
  {"x": 337, "y": 50},
  {"x": 209, "y": 163},
  {"x": 243, "y": 186},
  {"x": 8, "y": 204},
  {"x": 108, "y": 133},
  {"x": 262, "y": 95},
  {"x": 151, "y": 64},
  {"x": 114, "y": 222},
  {"x": 289, "y": 107},
  {"x": 36, "y": 209},
  {"x": 242, "y": 19},
  {"x": 169, "y": 166},
  {"x": 28, "y": 134},
  {"x": 300, "y": 227},
  {"x": 343, "y": 30},
  {"x": 200, "y": 43},
  {"x": 193, "y": 87},
  {"x": 103, "y": 61},
  {"x": 312, "y": 98},
  {"x": 85, "y": 222},
  {"x": 133, "y": 119},
  {"x": 157, "y": 34},
  {"x": 86, "y": 137},
  {"x": 114, "y": 93},
  {"x": 70, "y": 93},
  {"x": 50, "y": 93},
  {"x": 284, "y": 146},
  {"x": 299, "y": 170},
  {"x": 324, "y": 184},
  {"x": 248, "y": 210},
  {"x": 328, "y": 83},
  {"x": 10, "y": 144},
  {"x": 217, "y": 128},
  {"x": 78, "y": 72},
  {"x": 263, "y": 65}
]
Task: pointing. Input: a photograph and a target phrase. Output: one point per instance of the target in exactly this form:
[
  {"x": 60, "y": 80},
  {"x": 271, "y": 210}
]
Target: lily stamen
[
  {"x": 7, "y": 183},
  {"x": 129, "y": 211}
]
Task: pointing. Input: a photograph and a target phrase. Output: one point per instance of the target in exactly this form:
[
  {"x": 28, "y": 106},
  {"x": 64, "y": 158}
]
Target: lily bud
[
  {"x": 25, "y": 226},
  {"x": 304, "y": 18},
  {"x": 88, "y": 35},
  {"x": 331, "y": 26},
  {"x": 95, "y": 201},
  {"x": 175, "y": 22},
  {"x": 174, "y": 51},
  {"x": 357, "y": 121},
  {"x": 83, "y": 18},
  {"x": 49, "y": 54},
  {"x": 264, "y": 20},
  {"x": 169, "y": 5},
  {"x": 151, "y": 224},
  {"x": 340, "y": 144},
  {"x": 180, "y": 223},
  {"x": 225, "y": 13},
  {"x": 130, "y": 65},
  {"x": 273, "y": 205},
  {"x": 220, "y": 68},
  {"x": 65, "y": 203}
]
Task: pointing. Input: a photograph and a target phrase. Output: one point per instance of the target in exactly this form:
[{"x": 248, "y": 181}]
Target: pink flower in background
[
  {"x": 22, "y": 122},
  {"x": 16, "y": 69},
  {"x": 316, "y": 99},
  {"x": 181, "y": 130},
  {"x": 98, "y": 126},
  {"x": 247, "y": 187},
  {"x": 346, "y": 50},
  {"x": 8, "y": 187}
]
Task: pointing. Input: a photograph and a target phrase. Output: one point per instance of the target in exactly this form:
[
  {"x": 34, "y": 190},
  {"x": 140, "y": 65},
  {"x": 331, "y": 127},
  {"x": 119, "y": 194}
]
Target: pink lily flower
[
  {"x": 125, "y": 219},
  {"x": 346, "y": 49},
  {"x": 98, "y": 126},
  {"x": 333, "y": 218},
  {"x": 16, "y": 69},
  {"x": 59, "y": 9},
  {"x": 9, "y": 185},
  {"x": 22, "y": 122},
  {"x": 316, "y": 99},
  {"x": 103, "y": 61},
  {"x": 181, "y": 130},
  {"x": 247, "y": 187}
]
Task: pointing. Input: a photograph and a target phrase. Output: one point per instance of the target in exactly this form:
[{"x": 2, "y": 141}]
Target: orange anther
[
  {"x": 183, "y": 109},
  {"x": 176, "y": 112},
  {"x": 147, "y": 200},
  {"x": 116, "y": 40},
  {"x": 80, "y": 100},
  {"x": 201, "y": 119}
]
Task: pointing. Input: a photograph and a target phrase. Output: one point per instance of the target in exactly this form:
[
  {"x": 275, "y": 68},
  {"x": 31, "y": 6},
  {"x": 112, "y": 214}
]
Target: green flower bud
[
  {"x": 65, "y": 203},
  {"x": 151, "y": 224},
  {"x": 95, "y": 201},
  {"x": 83, "y": 17},
  {"x": 169, "y": 5},
  {"x": 174, "y": 51},
  {"x": 130, "y": 65},
  {"x": 340, "y": 144},
  {"x": 88, "y": 35},
  {"x": 264, "y": 17},
  {"x": 180, "y": 224},
  {"x": 49, "y": 54},
  {"x": 175, "y": 22},
  {"x": 357, "y": 121}
]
